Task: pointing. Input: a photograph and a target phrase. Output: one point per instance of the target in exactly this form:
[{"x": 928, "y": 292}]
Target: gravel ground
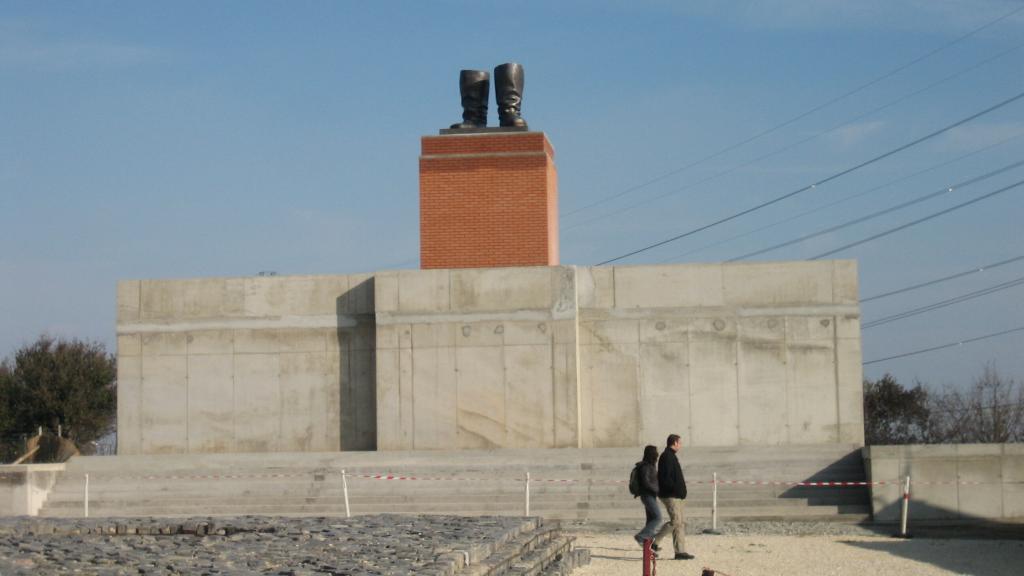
[
  {"x": 381, "y": 544},
  {"x": 807, "y": 549}
]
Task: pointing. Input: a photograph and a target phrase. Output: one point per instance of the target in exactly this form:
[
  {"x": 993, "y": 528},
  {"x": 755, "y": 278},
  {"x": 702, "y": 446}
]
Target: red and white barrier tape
[{"x": 400, "y": 477}]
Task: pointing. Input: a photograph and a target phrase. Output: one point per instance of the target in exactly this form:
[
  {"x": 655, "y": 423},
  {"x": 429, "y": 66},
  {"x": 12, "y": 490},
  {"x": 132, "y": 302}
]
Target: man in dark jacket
[{"x": 672, "y": 490}]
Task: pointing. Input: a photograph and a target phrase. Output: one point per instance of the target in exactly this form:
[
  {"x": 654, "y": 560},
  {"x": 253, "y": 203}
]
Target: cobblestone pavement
[{"x": 380, "y": 544}]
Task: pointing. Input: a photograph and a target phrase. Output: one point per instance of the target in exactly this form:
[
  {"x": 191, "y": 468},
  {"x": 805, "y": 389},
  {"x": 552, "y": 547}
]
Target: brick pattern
[{"x": 488, "y": 200}]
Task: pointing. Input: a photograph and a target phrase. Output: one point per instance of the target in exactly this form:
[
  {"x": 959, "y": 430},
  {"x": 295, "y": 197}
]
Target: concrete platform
[{"x": 586, "y": 485}]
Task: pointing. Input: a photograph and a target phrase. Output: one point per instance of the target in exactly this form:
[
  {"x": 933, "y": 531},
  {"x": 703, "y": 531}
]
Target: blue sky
[{"x": 183, "y": 139}]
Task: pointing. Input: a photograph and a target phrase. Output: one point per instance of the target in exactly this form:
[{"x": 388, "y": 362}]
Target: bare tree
[{"x": 991, "y": 411}]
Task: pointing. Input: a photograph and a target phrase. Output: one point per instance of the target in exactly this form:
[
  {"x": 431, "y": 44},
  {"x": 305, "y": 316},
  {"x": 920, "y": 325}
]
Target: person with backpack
[
  {"x": 643, "y": 483},
  {"x": 672, "y": 488}
]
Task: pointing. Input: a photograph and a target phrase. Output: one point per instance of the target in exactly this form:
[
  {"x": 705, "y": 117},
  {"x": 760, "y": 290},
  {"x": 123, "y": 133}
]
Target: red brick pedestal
[{"x": 488, "y": 200}]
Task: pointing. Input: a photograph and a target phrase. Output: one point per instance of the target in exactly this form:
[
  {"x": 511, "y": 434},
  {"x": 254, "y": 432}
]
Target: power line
[
  {"x": 918, "y": 221},
  {"x": 785, "y": 123},
  {"x": 900, "y": 206},
  {"x": 822, "y": 181},
  {"x": 944, "y": 346},
  {"x": 943, "y": 303},
  {"x": 943, "y": 279},
  {"x": 844, "y": 200},
  {"x": 794, "y": 144}
]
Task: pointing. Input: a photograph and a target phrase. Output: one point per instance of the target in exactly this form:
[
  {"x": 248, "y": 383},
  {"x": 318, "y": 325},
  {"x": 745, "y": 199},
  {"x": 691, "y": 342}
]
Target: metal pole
[
  {"x": 344, "y": 488},
  {"x": 714, "y": 501},
  {"x": 527, "y": 493},
  {"x": 906, "y": 506},
  {"x": 86, "y": 495}
]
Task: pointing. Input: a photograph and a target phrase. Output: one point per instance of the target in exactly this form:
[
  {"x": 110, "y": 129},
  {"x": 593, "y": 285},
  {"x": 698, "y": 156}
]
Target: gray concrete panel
[
  {"x": 939, "y": 497},
  {"x": 986, "y": 499},
  {"x": 194, "y": 298},
  {"x": 424, "y": 291},
  {"x": 714, "y": 412},
  {"x": 763, "y": 378},
  {"x": 389, "y": 423},
  {"x": 566, "y": 396},
  {"x": 849, "y": 372},
  {"x": 211, "y": 403},
  {"x": 611, "y": 384},
  {"x": 812, "y": 399},
  {"x": 596, "y": 287},
  {"x": 520, "y": 333},
  {"x": 129, "y": 404},
  {"x": 481, "y": 397},
  {"x": 529, "y": 396},
  {"x": 693, "y": 285},
  {"x": 129, "y": 300},
  {"x": 664, "y": 391},
  {"x": 210, "y": 342},
  {"x": 484, "y": 289},
  {"x": 257, "y": 402},
  {"x": 844, "y": 282},
  {"x": 129, "y": 345},
  {"x": 164, "y": 420},
  {"x": 364, "y": 374},
  {"x": 294, "y": 295},
  {"x": 164, "y": 344},
  {"x": 778, "y": 283},
  {"x": 435, "y": 401},
  {"x": 303, "y": 395}
]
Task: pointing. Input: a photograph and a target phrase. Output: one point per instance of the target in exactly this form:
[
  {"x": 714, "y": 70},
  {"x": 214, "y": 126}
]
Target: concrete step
[
  {"x": 477, "y": 508},
  {"x": 488, "y": 481}
]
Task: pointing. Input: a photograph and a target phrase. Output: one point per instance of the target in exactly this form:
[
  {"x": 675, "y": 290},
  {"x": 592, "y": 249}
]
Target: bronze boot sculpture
[
  {"x": 475, "y": 87},
  {"x": 508, "y": 93}
]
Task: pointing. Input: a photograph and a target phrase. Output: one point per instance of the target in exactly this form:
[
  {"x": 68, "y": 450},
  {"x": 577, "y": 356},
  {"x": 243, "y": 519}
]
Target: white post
[
  {"x": 86, "y": 495},
  {"x": 344, "y": 488},
  {"x": 527, "y": 493},
  {"x": 40, "y": 431},
  {"x": 714, "y": 502},
  {"x": 60, "y": 431},
  {"x": 906, "y": 505}
]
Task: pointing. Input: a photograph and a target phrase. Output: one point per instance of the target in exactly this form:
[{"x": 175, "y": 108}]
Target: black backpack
[{"x": 634, "y": 481}]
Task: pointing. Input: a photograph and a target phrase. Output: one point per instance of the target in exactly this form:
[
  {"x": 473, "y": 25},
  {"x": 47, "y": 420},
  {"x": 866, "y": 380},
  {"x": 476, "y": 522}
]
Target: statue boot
[
  {"x": 475, "y": 87},
  {"x": 508, "y": 93}
]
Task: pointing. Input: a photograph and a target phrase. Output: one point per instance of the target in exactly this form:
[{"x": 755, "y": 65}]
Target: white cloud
[
  {"x": 855, "y": 133},
  {"x": 21, "y": 49},
  {"x": 974, "y": 136}
]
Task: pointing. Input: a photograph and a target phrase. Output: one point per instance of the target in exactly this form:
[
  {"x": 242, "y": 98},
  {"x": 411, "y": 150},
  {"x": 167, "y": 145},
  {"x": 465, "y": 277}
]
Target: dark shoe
[
  {"x": 684, "y": 556},
  {"x": 655, "y": 547},
  {"x": 509, "y": 81},
  {"x": 475, "y": 89}
]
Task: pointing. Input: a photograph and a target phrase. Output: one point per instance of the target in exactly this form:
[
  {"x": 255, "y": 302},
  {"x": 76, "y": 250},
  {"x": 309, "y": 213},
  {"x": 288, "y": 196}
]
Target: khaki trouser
[{"x": 675, "y": 524}]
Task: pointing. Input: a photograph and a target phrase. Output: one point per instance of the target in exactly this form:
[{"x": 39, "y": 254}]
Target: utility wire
[
  {"x": 785, "y": 123},
  {"x": 822, "y": 181},
  {"x": 944, "y": 346},
  {"x": 918, "y": 221},
  {"x": 943, "y": 303},
  {"x": 943, "y": 279},
  {"x": 946, "y": 190},
  {"x": 793, "y": 145},
  {"x": 842, "y": 200}
]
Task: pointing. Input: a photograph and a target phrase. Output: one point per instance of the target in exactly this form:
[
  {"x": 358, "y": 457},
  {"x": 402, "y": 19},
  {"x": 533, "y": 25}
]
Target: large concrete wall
[
  {"x": 246, "y": 364},
  {"x": 476, "y": 358},
  {"x": 723, "y": 354},
  {"x": 951, "y": 481}
]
